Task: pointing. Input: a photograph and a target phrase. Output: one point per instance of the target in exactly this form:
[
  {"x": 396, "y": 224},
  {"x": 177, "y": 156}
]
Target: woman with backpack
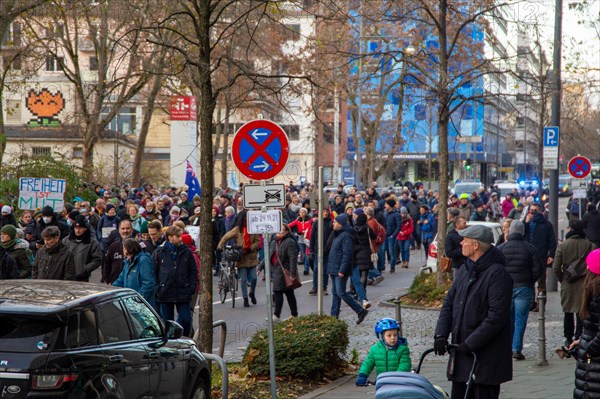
[
  {"x": 362, "y": 255},
  {"x": 247, "y": 265}
]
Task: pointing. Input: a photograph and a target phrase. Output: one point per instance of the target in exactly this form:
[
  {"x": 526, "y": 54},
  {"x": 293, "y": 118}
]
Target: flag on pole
[{"x": 191, "y": 180}]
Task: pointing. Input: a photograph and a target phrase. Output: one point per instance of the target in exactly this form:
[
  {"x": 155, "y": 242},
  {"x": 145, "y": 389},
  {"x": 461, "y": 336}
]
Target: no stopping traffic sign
[{"x": 260, "y": 149}]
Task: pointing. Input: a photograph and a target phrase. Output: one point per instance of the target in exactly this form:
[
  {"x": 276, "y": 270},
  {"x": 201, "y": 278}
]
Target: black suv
[{"x": 67, "y": 339}]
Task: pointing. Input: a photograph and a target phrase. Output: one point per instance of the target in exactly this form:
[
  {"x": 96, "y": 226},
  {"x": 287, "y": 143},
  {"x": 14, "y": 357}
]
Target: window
[
  {"x": 143, "y": 321},
  {"x": 78, "y": 152},
  {"x": 12, "y": 62},
  {"x": 13, "y": 111},
  {"x": 21, "y": 334},
  {"x": 291, "y": 32},
  {"x": 82, "y": 330},
  {"x": 292, "y": 131},
  {"x": 54, "y": 64},
  {"x": 40, "y": 152},
  {"x": 112, "y": 323},
  {"x": 55, "y": 31},
  {"x": 328, "y": 131},
  {"x": 12, "y": 36},
  {"x": 124, "y": 122},
  {"x": 420, "y": 112},
  {"x": 93, "y": 63}
]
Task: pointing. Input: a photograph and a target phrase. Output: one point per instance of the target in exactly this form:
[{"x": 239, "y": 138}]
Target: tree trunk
[
  {"x": 443, "y": 120},
  {"x": 206, "y": 110},
  {"x": 141, "y": 145},
  {"x": 225, "y": 134}
]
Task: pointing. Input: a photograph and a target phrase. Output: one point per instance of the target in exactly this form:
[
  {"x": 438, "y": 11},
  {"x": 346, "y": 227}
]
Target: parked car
[
  {"x": 431, "y": 266},
  {"x": 529, "y": 185},
  {"x": 64, "y": 339},
  {"x": 506, "y": 187}
]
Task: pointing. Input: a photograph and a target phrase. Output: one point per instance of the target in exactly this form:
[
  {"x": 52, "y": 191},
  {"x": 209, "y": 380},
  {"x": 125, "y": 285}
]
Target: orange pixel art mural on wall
[{"x": 46, "y": 106}]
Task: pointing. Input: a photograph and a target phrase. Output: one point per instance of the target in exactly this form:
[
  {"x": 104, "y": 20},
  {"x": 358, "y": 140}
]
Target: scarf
[
  {"x": 8, "y": 244},
  {"x": 295, "y": 208},
  {"x": 171, "y": 250},
  {"x": 247, "y": 241}
]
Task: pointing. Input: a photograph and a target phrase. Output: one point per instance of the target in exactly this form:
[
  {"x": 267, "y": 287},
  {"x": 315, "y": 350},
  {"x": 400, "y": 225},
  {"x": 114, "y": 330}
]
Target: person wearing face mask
[
  {"x": 540, "y": 233},
  {"x": 54, "y": 261},
  {"x": 49, "y": 218},
  {"x": 174, "y": 215},
  {"x": 84, "y": 247}
]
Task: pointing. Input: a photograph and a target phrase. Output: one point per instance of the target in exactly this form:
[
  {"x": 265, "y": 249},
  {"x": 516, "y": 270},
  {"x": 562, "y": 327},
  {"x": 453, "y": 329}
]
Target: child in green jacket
[{"x": 390, "y": 353}]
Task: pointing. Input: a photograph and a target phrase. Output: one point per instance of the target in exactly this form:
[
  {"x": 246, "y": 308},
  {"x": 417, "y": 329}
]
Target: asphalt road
[{"x": 243, "y": 323}]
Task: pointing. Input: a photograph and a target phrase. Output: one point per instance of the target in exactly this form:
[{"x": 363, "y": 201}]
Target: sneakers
[
  {"x": 312, "y": 292},
  {"x": 366, "y": 304},
  {"x": 252, "y": 298},
  {"x": 518, "y": 356},
  {"x": 378, "y": 280},
  {"x": 274, "y": 318},
  {"x": 370, "y": 282},
  {"x": 361, "y": 316}
]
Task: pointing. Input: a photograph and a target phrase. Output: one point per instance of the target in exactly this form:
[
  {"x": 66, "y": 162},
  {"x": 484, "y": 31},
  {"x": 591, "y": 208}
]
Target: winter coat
[
  {"x": 8, "y": 267},
  {"x": 19, "y": 251},
  {"x": 108, "y": 224},
  {"x": 301, "y": 227},
  {"x": 591, "y": 221},
  {"x": 477, "y": 311},
  {"x": 540, "y": 233},
  {"x": 569, "y": 251},
  {"x": 479, "y": 217},
  {"x": 374, "y": 225},
  {"x": 176, "y": 278},
  {"x": 507, "y": 206},
  {"x": 515, "y": 214},
  {"x": 393, "y": 223},
  {"x": 314, "y": 236},
  {"x": 587, "y": 371},
  {"x": 342, "y": 252},
  {"x": 413, "y": 210},
  {"x": 454, "y": 249},
  {"x": 250, "y": 256},
  {"x": 427, "y": 229},
  {"x": 54, "y": 264},
  {"x": 362, "y": 246},
  {"x": 494, "y": 209},
  {"x": 8, "y": 219},
  {"x": 87, "y": 256},
  {"x": 112, "y": 264},
  {"x": 138, "y": 274},
  {"x": 287, "y": 257},
  {"x": 523, "y": 262},
  {"x": 41, "y": 226},
  {"x": 406, "y": 230},
  {"x": 466, "y": 210},
  {"x": 385, "y": 359}
]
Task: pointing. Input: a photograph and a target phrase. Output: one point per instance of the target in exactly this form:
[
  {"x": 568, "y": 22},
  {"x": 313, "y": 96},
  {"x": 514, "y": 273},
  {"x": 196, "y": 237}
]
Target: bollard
[
  {"x": 542, "y": 361},
  {"x": 398, "y": 303}
]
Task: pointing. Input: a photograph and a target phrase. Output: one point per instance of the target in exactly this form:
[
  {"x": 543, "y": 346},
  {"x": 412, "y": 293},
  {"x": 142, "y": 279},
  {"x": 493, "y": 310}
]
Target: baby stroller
[{"x": 404, "y": 385}]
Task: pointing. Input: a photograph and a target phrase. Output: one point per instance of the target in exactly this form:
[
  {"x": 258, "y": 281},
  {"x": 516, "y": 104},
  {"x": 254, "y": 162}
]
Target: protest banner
[{"x": 37, "y": 192}]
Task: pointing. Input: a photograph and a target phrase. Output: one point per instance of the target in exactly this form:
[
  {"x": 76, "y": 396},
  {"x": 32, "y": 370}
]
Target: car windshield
[
  {"x": 466, "y": 188},
  {"x": 18, "y": 334}
]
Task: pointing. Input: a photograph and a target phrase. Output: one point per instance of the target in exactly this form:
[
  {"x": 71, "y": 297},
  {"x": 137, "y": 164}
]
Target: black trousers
[
  {"x": 291, "y": 298},
  {"x": 573, "y": 326},
  {"x": 478, "y": 391}
]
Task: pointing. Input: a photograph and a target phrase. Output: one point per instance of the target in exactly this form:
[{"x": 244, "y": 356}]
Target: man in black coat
[
  {"x": 8, "y": 267},
  {"x": 524, "y": 265},
  {"x": 477, "y": 313},
  {"x": 591, "y": 221},
  {"x": 314, "y": 250},
  {"x": 539, "y": 232},
  {"x": 453, "y": 239}
]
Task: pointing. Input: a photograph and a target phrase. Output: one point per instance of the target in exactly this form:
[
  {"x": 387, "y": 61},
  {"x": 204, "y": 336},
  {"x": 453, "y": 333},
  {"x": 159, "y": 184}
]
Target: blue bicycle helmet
[{"x": 385, "y": 324}]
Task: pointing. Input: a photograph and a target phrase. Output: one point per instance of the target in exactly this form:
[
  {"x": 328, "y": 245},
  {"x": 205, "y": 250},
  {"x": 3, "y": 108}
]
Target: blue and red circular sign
[
  {"x": 580, "y": 167},
  {"x": 260, "y": 149}
]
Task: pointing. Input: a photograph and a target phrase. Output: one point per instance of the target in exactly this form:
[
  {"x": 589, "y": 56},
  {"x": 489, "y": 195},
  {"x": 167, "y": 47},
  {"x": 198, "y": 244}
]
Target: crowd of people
[{"x": 138, "y": 239}]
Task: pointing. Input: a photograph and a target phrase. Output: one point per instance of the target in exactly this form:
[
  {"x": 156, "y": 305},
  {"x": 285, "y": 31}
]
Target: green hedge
[{"x": 304, "y": 347}]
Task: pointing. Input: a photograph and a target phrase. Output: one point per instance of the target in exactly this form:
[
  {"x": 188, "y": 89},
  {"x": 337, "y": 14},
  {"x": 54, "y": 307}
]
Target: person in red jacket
[
  {"x": 404, "y": 236},
  {"x": 302, "y": 225}
]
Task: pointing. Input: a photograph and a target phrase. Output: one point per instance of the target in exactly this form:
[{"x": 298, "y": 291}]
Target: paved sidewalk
[{"x": 529, "y": 381}]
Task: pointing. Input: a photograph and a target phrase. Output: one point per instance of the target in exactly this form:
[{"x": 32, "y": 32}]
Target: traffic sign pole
[{"x": 320, "y": 238}]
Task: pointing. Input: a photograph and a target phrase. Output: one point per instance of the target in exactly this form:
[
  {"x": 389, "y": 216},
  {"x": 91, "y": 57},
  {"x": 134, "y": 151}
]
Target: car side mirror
[{"x": 173, "y": 329}]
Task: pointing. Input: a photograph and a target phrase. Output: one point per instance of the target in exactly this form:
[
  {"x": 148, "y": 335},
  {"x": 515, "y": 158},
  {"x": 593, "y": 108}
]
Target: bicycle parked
[{"x": 228, "y": 274}]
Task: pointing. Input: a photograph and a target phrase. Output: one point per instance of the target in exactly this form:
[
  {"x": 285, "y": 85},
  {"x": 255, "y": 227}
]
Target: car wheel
[{"x": 200, "y": 390}]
